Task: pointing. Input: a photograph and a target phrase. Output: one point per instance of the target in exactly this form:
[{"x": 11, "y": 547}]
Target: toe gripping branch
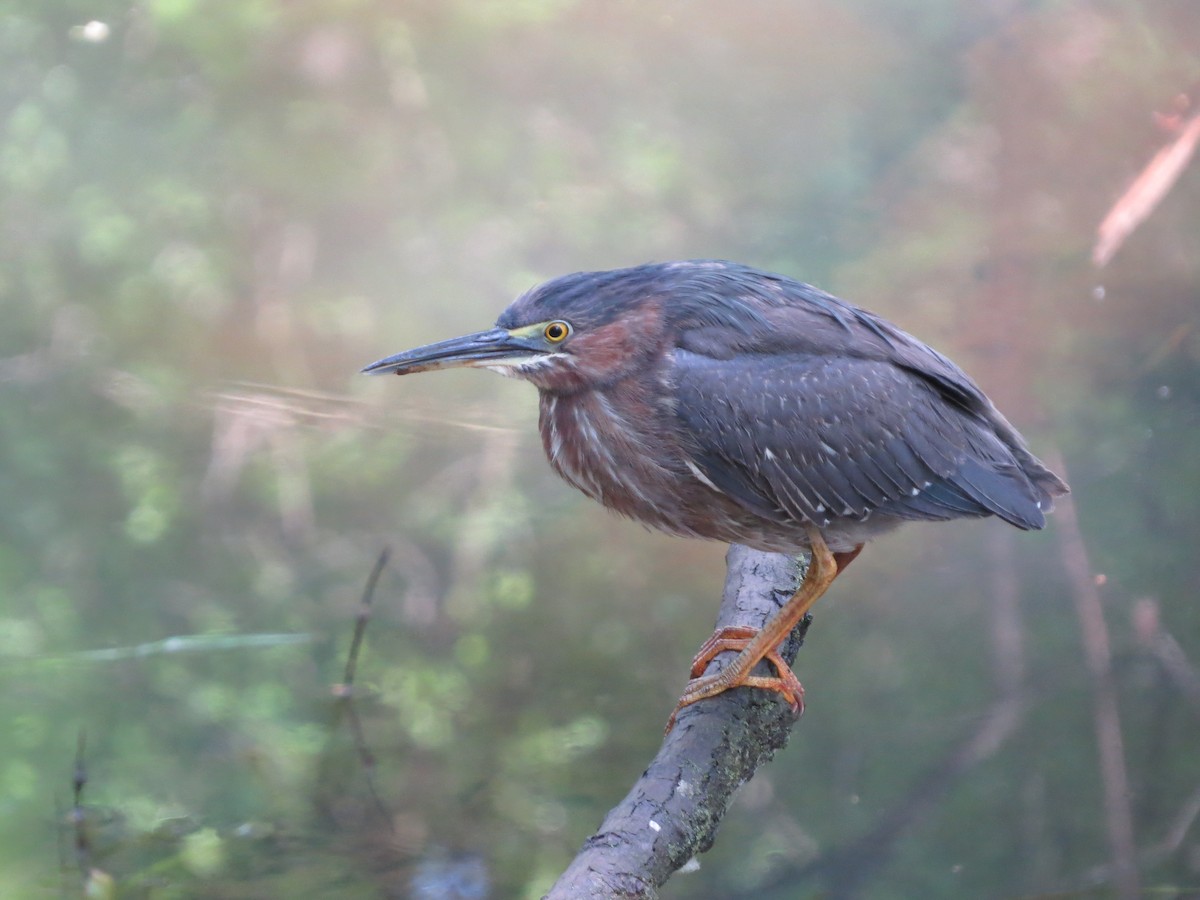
[{"x": 755, "y": 645}]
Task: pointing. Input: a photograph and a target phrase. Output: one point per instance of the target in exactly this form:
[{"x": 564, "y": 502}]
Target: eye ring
[{"x": 556, "y": 332}]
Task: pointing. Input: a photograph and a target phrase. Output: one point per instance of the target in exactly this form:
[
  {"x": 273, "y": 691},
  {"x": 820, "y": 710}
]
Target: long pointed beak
[{"x": 495, "y": 347}]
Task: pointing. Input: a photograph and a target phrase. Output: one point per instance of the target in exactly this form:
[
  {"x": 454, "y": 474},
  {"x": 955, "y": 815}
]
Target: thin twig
[
  {"x": 344, "y": 692},
  {"x": 361, "y": 619},
  {"x": 367, "y": 759},
  {"x": 79, "y": 780}
]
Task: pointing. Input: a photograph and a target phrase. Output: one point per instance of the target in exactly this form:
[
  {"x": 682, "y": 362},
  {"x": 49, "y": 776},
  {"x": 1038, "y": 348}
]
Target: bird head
[{"x": 574, "y": 333}]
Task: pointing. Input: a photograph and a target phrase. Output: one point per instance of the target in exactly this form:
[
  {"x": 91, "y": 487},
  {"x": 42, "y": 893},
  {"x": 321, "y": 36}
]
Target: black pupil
[{"x": 554, "y": 332}]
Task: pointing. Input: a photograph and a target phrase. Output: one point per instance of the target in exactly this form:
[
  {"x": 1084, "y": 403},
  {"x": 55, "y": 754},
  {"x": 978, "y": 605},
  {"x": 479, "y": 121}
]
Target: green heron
[{"x": 711, "y": 399}]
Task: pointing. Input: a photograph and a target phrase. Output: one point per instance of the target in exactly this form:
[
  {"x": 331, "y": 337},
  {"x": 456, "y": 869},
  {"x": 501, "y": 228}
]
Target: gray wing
[{"x": 820, "y": 438}]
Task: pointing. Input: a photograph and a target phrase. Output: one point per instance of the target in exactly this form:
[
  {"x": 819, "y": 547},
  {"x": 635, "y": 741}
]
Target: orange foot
[
  {"x": 738, "y": 638},
  {"x": 754, "y": 645}
]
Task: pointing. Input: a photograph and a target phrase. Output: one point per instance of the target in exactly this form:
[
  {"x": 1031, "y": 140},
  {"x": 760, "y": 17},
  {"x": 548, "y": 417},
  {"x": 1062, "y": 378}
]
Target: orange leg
[{"x": 757, "y": 645}]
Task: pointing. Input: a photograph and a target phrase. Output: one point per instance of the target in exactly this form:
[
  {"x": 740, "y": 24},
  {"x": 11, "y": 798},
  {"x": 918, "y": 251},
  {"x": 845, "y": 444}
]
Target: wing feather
[{"x": 821, "y": 438}]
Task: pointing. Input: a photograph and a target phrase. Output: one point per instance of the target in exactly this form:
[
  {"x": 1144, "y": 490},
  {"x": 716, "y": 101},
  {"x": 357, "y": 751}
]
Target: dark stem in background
[
  {"x": 344, "y": 692},
  {"x": 79, "y": 780},
  {"x": 673, "y": 810},
  {"x": 360, "y": 624},
  {"x": 93, "y": 882}
]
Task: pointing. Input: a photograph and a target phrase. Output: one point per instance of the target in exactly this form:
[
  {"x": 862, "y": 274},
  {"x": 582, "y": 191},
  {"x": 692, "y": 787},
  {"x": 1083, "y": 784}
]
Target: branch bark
[{"x": 673, "y": 810}]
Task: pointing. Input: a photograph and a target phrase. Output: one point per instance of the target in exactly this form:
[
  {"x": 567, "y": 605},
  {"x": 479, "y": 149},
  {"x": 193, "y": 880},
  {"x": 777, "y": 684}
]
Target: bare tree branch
[{"x": 673, "y": 810}]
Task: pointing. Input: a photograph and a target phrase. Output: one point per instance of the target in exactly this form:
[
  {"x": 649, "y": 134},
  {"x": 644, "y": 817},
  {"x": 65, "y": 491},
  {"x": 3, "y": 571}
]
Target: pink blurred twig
[{"x": 1146, "y": 192}]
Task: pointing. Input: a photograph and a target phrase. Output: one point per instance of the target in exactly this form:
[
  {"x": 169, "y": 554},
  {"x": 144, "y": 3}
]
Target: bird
[{"x": 710, "y": 399}]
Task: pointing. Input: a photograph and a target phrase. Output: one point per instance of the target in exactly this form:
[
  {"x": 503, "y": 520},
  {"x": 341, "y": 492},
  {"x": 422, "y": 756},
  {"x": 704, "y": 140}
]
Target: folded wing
[{"x": 820, "y": 438}]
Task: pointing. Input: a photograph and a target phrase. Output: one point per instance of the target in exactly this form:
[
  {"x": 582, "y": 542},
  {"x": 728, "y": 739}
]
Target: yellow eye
[{"x": 556, "y": 332}]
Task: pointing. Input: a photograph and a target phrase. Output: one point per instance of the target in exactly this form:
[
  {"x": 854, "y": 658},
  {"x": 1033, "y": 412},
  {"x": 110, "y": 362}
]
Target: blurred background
[{"x": 213, "y": 214}]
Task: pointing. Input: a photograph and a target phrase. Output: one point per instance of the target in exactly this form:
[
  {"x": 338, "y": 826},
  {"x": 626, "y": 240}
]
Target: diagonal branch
[{"x": 673, "y": 810}]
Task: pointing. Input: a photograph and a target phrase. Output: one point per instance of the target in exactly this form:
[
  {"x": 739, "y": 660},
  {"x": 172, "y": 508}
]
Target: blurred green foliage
[{"x": 211, "y": 215}]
